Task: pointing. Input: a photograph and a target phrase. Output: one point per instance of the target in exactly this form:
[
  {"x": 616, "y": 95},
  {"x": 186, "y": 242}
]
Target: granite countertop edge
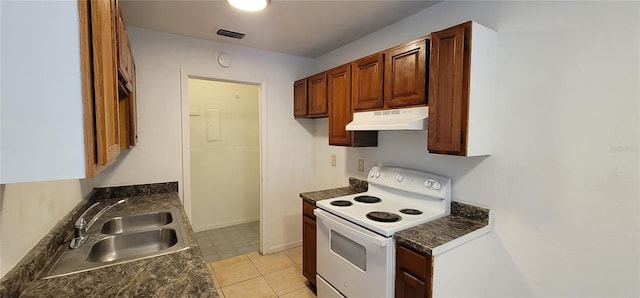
[
  {"x": 355, "y": 186},
  {"x": 179, "y": 274},
  {"x": 440, "y": 235}
]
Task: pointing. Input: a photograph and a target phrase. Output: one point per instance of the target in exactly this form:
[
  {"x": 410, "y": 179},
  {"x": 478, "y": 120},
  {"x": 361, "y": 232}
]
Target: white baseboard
[
  {"x": 224, "y": 224},
  {"x": 280, "y": 248}
]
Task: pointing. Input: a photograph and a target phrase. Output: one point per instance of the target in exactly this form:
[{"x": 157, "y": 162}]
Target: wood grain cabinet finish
[
  {"x": 309, "y": 242},
  {"x": 459, "y": 100},
  {"x": 340, "y": 112},
  {"x": 300, "y": 98},
  {"x": 108, "y": 84},
  {"x": 367, "y": 83},
  {"x": 127, "y": 88},
  {"x": 124, "y": 52},
  {"x": 405, "y": 75},
  {"x": 105, "y": 88},
  {"x": 317, "y": 95},
  {"x": 339, "y": 96},
  {"x": 413, "y": 273}
]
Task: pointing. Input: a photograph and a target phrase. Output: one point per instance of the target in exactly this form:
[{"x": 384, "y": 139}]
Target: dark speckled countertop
[
  {"x": 179, "y": 274},
  {"x": 465, "y": 223},
  {"x": 355, "y": 186}
]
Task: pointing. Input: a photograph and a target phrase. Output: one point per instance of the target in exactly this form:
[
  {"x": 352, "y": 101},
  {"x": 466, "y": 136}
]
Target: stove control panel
[
  {"x": 411, "y": 180},
  {"x": 433, "y": 184}
]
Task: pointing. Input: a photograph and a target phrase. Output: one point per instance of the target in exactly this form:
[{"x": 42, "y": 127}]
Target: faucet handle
[{"x": 81, "y": 222}]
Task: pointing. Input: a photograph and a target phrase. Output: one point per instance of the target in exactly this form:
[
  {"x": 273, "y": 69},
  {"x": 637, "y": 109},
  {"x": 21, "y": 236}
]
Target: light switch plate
[
  {"x": 333, "y": 160},
  {"x": 360, "y": 165}
]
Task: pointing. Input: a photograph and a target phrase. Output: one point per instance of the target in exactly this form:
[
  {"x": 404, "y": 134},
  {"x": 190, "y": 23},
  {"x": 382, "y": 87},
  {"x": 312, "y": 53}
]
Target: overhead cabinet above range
[
  {"x": 447, "y": 77},
  {"x": 391, "y": 79}
]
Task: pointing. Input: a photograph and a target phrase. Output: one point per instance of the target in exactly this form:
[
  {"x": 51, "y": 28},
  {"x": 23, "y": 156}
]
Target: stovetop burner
[
  {"x": 367, "y": 199},
  {"x": 341, "y": 203},
  {"x": 411, "y": 211},
  {"x": 383, "y": 216}
]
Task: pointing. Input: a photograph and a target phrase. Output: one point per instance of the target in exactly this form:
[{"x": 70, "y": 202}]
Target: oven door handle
[{"x": 350, "y": 230}]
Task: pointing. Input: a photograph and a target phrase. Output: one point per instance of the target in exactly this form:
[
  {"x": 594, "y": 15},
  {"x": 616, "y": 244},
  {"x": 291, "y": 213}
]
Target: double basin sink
[{"x": 120, "y": 239}]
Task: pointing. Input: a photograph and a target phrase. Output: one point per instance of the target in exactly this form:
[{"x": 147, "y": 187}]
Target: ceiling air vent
[{"x": 231, "y": 34}]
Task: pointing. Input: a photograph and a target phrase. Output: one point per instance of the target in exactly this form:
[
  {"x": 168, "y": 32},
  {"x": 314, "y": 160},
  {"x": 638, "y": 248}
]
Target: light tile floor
[
  {"x": 254, "y": 275},
  {"x": 229, "y": 241}
]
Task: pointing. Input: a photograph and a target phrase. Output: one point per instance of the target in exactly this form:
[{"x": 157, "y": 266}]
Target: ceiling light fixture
[{"x": 249, "y": 5}]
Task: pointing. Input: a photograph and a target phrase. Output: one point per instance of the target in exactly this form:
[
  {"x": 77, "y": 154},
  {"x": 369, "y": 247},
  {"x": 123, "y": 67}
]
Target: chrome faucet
[{"x": 81, "y": 226}]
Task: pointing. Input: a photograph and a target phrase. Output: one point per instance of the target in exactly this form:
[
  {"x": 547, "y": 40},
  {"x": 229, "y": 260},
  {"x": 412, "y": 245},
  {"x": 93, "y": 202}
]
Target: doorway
[{"x": 224, "y": 166}]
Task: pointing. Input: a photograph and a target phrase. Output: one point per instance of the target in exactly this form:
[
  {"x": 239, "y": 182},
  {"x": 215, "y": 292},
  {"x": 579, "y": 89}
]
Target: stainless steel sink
[
  {"x": 128, "y": 245},
  {"x": 127, "y": 224},
  {"x": 119, "y": 239}
]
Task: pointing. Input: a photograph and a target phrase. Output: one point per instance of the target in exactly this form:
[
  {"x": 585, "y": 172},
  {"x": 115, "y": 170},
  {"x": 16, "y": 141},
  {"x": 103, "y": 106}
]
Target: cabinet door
[
  {"x": 300, "y": 98},
  {"x": 123, "y": 49},
  {"x": 448, "y": 91},
  {"x": 413, "y": 273},
  {"x": 366, "y": 83},
  {"x": 339, "y": 96},
  {"x": 405, "y": 75},
  {"x": 409, "y": 286},
  {"x": 103, "y": 26},
  {"x": 309, "y": 249},
  {"x": 318, "y": 95}
]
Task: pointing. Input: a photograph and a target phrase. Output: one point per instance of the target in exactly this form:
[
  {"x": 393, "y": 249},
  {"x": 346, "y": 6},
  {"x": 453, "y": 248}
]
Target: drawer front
[
  {"x": 307, "y": 209},
  {"x": 412, "y": 262}
]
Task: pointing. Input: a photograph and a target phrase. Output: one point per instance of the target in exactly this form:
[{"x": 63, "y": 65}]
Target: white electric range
[{"x": 355, "y": 249}]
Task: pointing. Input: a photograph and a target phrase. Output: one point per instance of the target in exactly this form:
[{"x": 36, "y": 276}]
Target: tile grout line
[{"x": 294, "y": 266}]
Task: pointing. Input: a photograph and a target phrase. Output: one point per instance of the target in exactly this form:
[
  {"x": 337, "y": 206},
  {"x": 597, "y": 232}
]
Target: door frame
[{"x": 185, "y": 188}]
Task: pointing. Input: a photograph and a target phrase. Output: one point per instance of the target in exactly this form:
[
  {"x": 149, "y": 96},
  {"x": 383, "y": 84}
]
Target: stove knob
[
  {"x": 437, "y": 185},
  {"x": 428, "y": 183},
  {"x": 399, "y": 178},
  {"x": 377, "y": 174},
  {"x": 371, "y": 174}
]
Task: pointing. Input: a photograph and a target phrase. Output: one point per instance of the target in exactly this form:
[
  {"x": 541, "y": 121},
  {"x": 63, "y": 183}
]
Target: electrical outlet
[
  {"x": 360, "y": 165},
  {"x": 333, "y": 160}
]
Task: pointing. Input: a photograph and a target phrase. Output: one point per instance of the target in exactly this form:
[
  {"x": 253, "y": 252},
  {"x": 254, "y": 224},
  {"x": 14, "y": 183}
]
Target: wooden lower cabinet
[
  {"x": 309, "y": 242},
  {"x": 414, "y": 272}
]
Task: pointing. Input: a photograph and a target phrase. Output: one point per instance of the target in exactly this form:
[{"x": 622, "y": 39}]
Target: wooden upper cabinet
[
  {"x": 124, "y": 53},
  {"x": 317, "y": 95},
  {"x": 367, "y": 82},
  {"x": 339, "y": 96},
  {"x": 103, "y": 32},
  {"x": 127, "y": 88},
  {"x": 341, "y": 113},
  {"x": 300, "y": 98},
  {"x": 447, "y": 117},
  {"x": 459, "y": 99},
  {"x": 405, "y": 74}
]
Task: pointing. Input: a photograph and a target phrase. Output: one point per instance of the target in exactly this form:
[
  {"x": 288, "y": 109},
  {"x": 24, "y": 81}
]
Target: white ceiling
[{"x": 301, "y": 28}]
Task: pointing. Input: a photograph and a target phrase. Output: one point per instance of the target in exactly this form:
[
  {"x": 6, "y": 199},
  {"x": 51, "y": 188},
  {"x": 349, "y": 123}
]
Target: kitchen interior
[{"x": 555, "y": 170}]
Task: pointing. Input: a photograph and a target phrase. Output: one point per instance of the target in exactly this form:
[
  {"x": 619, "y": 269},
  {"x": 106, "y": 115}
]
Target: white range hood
[{"x": 397, "y": 119}]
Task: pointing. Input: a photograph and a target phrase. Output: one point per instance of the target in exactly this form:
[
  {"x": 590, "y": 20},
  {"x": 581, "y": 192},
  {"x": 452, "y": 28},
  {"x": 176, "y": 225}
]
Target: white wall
[
  {"x": 230, "y": 140},
  {"x": 28, "y": 211},
  {"x": 563, "y": 177},
  {"x": 159, "y": 58}
]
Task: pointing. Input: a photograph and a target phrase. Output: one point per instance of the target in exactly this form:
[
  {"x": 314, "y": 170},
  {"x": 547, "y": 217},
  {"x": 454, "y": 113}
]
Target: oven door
[{"x": 353, "y": 260}]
